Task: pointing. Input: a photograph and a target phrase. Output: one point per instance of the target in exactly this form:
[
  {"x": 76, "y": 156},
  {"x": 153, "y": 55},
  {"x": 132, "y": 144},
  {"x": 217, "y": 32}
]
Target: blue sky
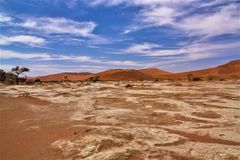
[{"x": 52, "y": 36}]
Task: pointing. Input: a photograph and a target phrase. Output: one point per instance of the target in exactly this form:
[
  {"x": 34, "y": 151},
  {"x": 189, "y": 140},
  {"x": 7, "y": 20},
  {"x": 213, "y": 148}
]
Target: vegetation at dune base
[
  {"x": 94, "y": 79},
  {"x": 210, "y": 78},
  {"x": 197, "y": 79},
  {"x": 13, "y": 77},
  {"x": 2, "y": 75},
  {"x": 190, "y": 78},
  {"x": 128, "y": 86},
  {"x": 65, "y": 78}
]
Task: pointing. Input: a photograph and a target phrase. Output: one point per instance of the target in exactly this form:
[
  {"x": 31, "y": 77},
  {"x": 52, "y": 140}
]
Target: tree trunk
[{"x": 17, "y": 79}]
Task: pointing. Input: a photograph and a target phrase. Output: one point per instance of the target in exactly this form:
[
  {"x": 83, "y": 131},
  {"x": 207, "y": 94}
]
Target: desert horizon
[{"x": 230, "y": 70}]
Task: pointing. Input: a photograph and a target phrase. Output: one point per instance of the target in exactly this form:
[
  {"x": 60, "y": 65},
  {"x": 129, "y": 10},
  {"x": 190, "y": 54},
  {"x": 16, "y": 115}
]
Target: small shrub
[
  {"x": 190, "y": 77},
  {"x": 65, "y": 78},
  {"x": 196, "y": 79},
  {"x": 94, "y": 79},
  {"x": 128, "y": 86},
  {"x": 30, "y": 81},
  {"x": 2, "y": 75},
  {"x": 210, "y": 78},
  {"x": 22, "y": 80},
  {"x": 37, "y": 80},
  {"x": 178, "y": 84},
  {"x": 10, "y": 78}
]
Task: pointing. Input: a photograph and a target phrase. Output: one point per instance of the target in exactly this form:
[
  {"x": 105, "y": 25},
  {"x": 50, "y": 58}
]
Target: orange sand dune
[
  {"x": 123, "y": 74},
  {"x": 64, "y": 76},
  {"x": 230, "y": 70},
  {"x": 154, "y": 72}
]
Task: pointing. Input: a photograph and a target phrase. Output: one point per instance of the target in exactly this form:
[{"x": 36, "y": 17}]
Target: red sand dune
[
  {"x": 123, "y": 74},
  {"x": 154, "y": 72},
  {"x": 229, "y": 70},
  {"x": 61, "y": 77}
]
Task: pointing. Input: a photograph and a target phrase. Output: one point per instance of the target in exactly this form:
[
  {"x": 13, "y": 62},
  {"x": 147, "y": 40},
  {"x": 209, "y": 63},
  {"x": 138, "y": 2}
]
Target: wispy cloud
[
  {"x": 134, "y": 2},
  {"x": 227, "y": 18},
  {"x": 188, "y": 52},
  {"x": 8, "y": 54},
  {"x": 56, "y": 29},
  {"x": 60, "y": 26},
  {"x": 194, "y": 18},
  {"x": 149, "y": 49},
  {"x": 23, "y": 39},
  {"x": 198, "y": 24},
  {"x": 4, "y": 18}
]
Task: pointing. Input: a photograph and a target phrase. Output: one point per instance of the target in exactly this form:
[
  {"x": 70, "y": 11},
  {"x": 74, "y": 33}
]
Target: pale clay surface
[{"x": 148, "y": 120}]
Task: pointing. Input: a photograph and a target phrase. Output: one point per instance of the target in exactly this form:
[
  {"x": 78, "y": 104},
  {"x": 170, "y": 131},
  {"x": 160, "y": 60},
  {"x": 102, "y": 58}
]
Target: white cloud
[
  {"x": 24, "y": 39},
  {"x": 115, "y": 62},
  {"x": 196, "y": 52},
  {"x": 149, "y": 49},
  {"x": 223, "y": 21},
  {"x": 141, "y": 48},
  {"x": 226, "y": 20},
  {"x": 132, "y": 28},
  {"x": 60, "y": 26},
  {"x": 135, "y": 2},
  {"x": 223, "y": 18},
  {"x": 7, "y": 54},
  {"x": 187, "y": 52},
  {"x": 158, "y": 16},
  {"x": 4, "y": 18}
]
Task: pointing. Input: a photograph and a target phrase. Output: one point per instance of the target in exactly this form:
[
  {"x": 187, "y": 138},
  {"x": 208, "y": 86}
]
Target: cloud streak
[
  {"x": 224, "y": 21},
  {"x": 149, "y": 49},
  {"x": 54, "y": 29},
  {"x": 60, "y": 26},
  {"x": 8, "y": 54},
  {"x": 188, "y": 52},
  {"x": 178, "y": 14},
  {"x": 4, "y": 18},
  {"x": 23, "y": 39}
]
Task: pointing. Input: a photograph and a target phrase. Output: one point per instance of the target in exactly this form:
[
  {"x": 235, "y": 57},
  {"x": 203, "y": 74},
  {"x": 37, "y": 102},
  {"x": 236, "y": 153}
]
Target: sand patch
[{"x": 207, "y": 114}]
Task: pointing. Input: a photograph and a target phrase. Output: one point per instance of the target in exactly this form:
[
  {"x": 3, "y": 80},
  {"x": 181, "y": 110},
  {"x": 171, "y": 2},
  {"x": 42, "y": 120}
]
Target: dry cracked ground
[{"x": 106, "y": 121}]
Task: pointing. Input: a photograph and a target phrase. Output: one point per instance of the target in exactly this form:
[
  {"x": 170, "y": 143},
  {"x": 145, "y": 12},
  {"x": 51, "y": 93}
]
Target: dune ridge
[{"x": 230, "y": 70}]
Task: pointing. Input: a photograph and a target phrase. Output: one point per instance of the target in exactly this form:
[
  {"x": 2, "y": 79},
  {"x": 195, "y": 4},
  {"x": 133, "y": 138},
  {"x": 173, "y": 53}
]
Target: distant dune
[
  {"x": 123, "y": 74},
  {"x": 64, "y": 76},
  {"x": 230, "y": 70},
  {"x": 154, "y": 72}
]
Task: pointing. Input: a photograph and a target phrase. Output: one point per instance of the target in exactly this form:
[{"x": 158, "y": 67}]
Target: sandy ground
[{"x": 106, "y": 121}]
